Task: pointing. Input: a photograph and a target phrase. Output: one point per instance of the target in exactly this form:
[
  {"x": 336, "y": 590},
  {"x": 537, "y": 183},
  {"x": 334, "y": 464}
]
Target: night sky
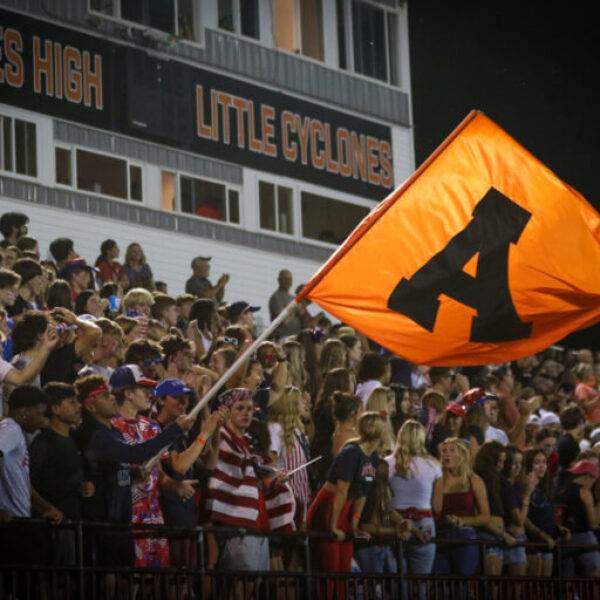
[{"x": 532, "y": 68}]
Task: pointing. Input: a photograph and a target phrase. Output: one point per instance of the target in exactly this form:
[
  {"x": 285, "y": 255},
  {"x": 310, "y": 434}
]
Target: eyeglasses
[
  {"x": 230, "y": 340},
  {"x": 149, "y": 361}
]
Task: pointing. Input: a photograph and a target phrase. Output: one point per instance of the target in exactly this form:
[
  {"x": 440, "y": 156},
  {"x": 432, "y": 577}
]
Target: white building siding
[{"x": 253, "y": 272}]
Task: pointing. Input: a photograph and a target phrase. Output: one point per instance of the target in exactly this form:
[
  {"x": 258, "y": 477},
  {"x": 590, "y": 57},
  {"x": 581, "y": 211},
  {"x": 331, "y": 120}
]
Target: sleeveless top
[{"x": 461, "y": 504}]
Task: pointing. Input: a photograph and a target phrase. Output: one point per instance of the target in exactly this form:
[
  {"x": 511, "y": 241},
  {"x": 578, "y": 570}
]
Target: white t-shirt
[
  {"x": 15, "y": 488},
  {"x": 493, "y": 433},
  {"x": 5, "y": 367},
  {"x": 414, "y": 492},
  {"x": 365, "y": 388}
]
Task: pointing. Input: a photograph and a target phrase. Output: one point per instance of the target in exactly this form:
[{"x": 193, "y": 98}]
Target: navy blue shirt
[
  {"x": 353, "y": 465},
  {"x": 112, "y": 458}
]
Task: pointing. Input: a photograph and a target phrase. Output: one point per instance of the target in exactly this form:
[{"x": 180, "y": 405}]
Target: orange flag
[{"x": 482, "y": 256}]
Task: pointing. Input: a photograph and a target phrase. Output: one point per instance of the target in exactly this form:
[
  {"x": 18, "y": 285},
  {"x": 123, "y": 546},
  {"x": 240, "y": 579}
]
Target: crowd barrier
[{"x": 82, "y": 579}]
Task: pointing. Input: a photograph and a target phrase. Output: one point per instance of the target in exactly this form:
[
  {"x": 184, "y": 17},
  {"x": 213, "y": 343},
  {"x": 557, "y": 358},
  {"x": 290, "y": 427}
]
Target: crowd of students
[{"x": 101, "y": 368}]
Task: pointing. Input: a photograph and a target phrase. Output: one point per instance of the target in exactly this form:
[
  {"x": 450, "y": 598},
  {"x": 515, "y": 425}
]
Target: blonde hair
[
  {"x": 465, "y": 472},
  {"x": 378, "y": 401},
  {"x": 286, "y": 412},
  {"x": 137, "y": 296},
  {"x": 334, "y": 354},
  {"x": 296, "y": 356},
  {"x": 371, "y": 426},
  {"x": 410, "y": 442},
  {"x": 128, "y": 254},
  {"x": 156, "y": 330}
]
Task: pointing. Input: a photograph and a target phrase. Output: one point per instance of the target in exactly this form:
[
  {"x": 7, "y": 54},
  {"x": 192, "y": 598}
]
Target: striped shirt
[{"x": 233, "y": 489}]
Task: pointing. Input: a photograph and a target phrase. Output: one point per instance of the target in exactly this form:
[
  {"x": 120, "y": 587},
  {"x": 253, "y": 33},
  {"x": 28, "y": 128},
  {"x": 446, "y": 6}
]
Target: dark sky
[{"x": 531, "y": 67}]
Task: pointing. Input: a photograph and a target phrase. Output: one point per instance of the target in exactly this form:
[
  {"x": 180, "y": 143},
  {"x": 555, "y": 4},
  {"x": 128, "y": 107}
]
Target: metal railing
[{"x": 85, "y": 579}]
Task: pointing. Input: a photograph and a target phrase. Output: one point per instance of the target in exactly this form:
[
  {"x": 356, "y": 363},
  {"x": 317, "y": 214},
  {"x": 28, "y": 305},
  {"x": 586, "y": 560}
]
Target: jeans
[
  {"x": 418, "y": 559},
  {"x": 457, "y": 559}
]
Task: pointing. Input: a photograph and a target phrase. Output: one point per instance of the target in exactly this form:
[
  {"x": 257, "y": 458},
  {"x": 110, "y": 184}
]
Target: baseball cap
[
  {"x": 77, "y": 264},
  {"x": 129, "y": 376},
  {"x": 456, "y": 409},
  {"x": 584, "y": 467},
  {"x": 476, "y": 397},
  {"x": 171, "y": 387},
  {"x": 549, "y": 418},
  {"x": 237, "y": 308}
]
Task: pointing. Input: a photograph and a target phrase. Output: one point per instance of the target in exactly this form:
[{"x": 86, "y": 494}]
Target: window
[
  {"x": 62, "y": 157},
  {"x": 99, "y": 173},
  {"x": 276, "y": 204},
  {"x": 18, "y": 146},
  {"x": 329, "y": 220},
  {"x": 176, "y": 17},
  {"x": 203, "y": 198},
  {"x": 298, "y": 26},
  {"x": 239, "y": 16},
  {"x": 373, "y": 46}
]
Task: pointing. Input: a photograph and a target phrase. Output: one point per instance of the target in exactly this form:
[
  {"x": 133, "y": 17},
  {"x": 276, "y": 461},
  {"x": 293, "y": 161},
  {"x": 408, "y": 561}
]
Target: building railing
[{"x": 84, "y": 579}]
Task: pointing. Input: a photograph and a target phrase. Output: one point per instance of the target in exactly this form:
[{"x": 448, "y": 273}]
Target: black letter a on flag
[{"x": 497, "y": 223}]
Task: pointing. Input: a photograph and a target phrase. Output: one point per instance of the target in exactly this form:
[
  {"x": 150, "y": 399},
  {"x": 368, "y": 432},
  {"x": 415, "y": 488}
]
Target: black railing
[{"x": 85, "y": 579}]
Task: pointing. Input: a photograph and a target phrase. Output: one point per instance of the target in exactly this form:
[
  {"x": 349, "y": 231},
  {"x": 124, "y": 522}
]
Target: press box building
[{"x": 258, "y": 132}]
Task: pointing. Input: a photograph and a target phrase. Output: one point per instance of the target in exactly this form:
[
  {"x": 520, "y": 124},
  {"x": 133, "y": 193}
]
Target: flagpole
[{"x": 243, "y": 357}]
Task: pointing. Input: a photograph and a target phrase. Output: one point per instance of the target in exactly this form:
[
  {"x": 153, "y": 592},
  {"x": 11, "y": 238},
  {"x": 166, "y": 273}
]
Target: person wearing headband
[{"x": 108, "y": 459}]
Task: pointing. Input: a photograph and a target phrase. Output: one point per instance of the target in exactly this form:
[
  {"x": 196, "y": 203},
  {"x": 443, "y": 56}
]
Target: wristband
[
  {"x": 356, "y": 515},
  {"x": 201, "y": 440}
]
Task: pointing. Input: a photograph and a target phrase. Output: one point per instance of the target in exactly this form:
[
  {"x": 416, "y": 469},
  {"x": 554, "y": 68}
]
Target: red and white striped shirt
[{"x": 233, "y": 489}]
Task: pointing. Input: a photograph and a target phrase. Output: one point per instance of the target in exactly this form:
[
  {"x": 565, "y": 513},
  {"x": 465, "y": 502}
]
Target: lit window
[
  {"x": 298, "y": 26},
  {"x": 18, "y": 146},
  {"x": 329, "y": 220},
  {"x": 208, "y": 199},
  {"x": 239, "y": 16},
  {"x": 99, "y": 173},
  {"x": 168, "y": 190},
  {"x": 276, "y": 207}
]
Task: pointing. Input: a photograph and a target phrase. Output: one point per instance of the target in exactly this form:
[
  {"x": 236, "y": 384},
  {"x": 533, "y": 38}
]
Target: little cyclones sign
[{"x": 91, "y": 80}]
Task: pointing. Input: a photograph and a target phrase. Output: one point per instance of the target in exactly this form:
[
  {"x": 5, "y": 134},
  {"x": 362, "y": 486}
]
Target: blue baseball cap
[
  {"x": 129, "y": 376},
  {"x": 171, "y": 387},
  {"x": 238, "y": 308}
]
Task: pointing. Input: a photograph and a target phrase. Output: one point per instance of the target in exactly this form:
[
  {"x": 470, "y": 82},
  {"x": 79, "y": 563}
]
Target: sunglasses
[
  {"x": 230, "y": 340},
  {"x": 149, "y": 361}
]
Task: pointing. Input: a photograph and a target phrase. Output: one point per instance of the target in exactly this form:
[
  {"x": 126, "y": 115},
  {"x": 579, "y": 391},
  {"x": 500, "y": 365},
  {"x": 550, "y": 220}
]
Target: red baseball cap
[
  {"x": 456, "y": 409},
  {"x": 584, "y": 467}
]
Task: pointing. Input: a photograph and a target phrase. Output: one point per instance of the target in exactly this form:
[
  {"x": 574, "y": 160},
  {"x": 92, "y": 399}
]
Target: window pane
[
  {"x": 135, "y": 182},
  {"x": 185, "y": 19},
  {"x": 311, "y": 25},
  {"x": 393, "y": 49},
  {"x": 101, "y": 174},
  {"x": 168, "y": 190},
  {"x": 369, "y": 40},
  {"x": 156, "y": 14},
  {"x": 7, "y": 146},
  {"x": 329, "y": 220},
  {"x": 284, "y": 17},
  {"x": 62, "y": 157},
  {"x": 103, "y": 6},
  {"x": 249, "y": 17},
  {"x": 203, "y": 198},
  {"x": 226, "y": 15},
  {"x": 25, "y": 145},
  {"x": 285, "y": 209},
  {"x": 341, "y": 30},
  {"x": 234, "y": 206},
  {"x": 266, "y": 198}
]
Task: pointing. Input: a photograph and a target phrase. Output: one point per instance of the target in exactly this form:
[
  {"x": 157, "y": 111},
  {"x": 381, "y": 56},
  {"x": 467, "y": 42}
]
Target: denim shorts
[
  {"x": 491, "y": 550},
  {"x": 516, "y": 555},
  {"x": 589, "y": 561}
]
